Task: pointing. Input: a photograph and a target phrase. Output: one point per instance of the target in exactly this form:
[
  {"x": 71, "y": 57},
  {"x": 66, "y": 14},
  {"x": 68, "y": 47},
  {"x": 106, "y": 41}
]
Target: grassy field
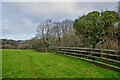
[{"x": 33, "y": 64}]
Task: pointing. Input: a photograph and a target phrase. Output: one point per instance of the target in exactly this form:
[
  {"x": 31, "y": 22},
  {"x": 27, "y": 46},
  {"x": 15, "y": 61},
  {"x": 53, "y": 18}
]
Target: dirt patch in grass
[{"x": 106, "y": 67}]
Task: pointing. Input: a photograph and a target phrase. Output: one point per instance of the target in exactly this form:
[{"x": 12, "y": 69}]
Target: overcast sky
[{"x": 20, "y": 19}]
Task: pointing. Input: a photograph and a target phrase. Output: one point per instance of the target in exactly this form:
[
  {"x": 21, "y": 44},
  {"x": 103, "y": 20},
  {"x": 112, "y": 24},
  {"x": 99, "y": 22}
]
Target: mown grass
[{"x": 33, "y": 64}]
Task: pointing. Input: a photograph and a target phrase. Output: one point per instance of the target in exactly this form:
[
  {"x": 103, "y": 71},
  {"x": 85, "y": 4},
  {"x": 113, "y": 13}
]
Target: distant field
[{"x": 33, "y": 64}]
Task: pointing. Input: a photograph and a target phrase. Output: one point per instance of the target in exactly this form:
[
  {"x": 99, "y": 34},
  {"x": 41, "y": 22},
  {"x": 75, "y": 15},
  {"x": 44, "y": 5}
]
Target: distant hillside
[{"x": 8, "y": 44}]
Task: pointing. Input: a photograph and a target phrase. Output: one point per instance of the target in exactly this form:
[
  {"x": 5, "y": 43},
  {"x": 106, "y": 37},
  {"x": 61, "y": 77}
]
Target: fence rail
[{"x": 103, "y": 56}]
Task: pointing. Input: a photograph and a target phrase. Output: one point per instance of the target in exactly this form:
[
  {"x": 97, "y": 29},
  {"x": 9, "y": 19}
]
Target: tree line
[
  {"x": 13, "y": 44},
  {"x": 96, "y": 30}
]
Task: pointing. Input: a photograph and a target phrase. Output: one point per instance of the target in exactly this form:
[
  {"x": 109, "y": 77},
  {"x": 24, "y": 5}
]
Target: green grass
[{"x": 33, "y": 64}]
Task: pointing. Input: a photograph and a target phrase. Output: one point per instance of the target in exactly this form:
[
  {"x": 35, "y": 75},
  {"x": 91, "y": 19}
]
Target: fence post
[
  {"x": 64, "y": 51},
  {"x": 45, "y": 50},
  {"x": 100, "y": 55},
  {"x": 85, "y": 52},
  {"x": 91, "y": 50},
  {"x": 57, "y": 50},
  {"x": 74, "y": 51},
  {"x": 118, "y": 58},
  {"x": 54, "y": 49}
]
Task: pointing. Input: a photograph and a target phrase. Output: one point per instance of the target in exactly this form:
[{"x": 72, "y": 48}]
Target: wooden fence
[{"x": 102, "y": 56}]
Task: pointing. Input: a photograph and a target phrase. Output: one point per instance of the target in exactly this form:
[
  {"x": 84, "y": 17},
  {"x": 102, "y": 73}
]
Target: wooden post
[
  {"x": 45, "y": 49},
  {"x": 57, "y": 49},
  {"x": 54, "y": 49},
  {"x": 51, "y": 49},
  {"x": 91, "y": 50},
  {"x": 85, "y": 53},
  {"x": 118, "y": 58},
  {"x": 100, "y": 55},
  {"x": 74, "y": 51},
  {"x": 64, "y": 51}
]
